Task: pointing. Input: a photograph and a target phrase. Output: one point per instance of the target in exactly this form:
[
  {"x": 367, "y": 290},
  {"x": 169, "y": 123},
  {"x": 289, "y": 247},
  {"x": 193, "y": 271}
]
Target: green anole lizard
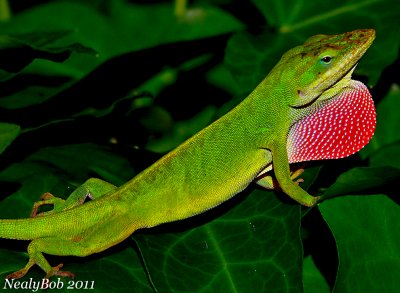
[{"x": 306, "y": 108}]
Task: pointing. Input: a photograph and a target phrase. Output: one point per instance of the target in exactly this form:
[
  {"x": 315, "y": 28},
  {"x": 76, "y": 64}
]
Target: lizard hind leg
[
  {"x": 36, "y": 257},
  {"x": 268, "y": 182},
  {"x": 79, "y": 246}
]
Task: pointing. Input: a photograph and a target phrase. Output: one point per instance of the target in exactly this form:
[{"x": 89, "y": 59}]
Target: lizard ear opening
[{"x": 337, "y": 129}]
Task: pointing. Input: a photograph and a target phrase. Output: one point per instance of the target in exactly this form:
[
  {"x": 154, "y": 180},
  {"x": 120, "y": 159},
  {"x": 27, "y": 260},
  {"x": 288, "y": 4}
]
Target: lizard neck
[{"x": 267, "y": 109}]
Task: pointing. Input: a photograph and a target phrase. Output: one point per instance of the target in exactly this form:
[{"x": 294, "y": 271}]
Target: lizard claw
[
  {"x": 298, "y": 181},
  {"x": 17, "y": 275},
  {"x": 55, "y": 271}
]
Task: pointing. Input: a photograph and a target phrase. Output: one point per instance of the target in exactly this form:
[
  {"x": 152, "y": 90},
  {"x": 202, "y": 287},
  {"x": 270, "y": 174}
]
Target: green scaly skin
[{"x": 207, "y": 169}]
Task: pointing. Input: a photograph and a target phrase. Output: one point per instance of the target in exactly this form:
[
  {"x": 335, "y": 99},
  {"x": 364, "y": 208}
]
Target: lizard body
[{"x": 268, "y": 130}]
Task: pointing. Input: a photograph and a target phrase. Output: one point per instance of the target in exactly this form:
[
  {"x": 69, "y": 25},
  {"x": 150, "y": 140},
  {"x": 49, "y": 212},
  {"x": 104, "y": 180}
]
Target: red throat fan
[{"x": 338, "y": 129}]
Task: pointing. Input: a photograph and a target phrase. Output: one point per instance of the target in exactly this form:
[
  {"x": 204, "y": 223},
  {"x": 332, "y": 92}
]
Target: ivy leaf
[
  {"x": 361, "y": 179},
  {"x": 314, "y": 281},
  {"x": 8, "y": 132},
  {"x": 366, "y": 233},
  {"x": 254, "y": 245},
  {"x": 251, "y": 56},
  {"x": 18, "y": 51}
]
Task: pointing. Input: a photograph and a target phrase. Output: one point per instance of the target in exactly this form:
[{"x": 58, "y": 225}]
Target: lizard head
[
  {"x": 322, "y": 66},
  {"x": 333, "y": 115}
]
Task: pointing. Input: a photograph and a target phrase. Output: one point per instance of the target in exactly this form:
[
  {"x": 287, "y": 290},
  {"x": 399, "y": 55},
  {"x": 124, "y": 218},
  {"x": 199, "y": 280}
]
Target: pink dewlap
[{"x": 338, "y": 129}]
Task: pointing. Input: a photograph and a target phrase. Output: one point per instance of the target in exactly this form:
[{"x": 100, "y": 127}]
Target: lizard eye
[{"x": 326, "y": 59}]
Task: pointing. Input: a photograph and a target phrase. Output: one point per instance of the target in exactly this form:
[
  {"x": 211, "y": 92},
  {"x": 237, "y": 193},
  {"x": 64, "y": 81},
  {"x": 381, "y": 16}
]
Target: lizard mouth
[{"x": 331, "y": 91}]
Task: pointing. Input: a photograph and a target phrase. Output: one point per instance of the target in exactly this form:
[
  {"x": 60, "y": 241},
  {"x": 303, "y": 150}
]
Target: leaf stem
[
  {"x": 180, "y": 8},
  {"x": 5, "y": 11}
]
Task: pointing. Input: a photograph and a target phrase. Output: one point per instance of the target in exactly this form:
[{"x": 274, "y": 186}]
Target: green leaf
[
  {"x": 182, "y": 130},
  {"x": 18, "y": 51},
  {"x": 8, "y": 132},
  {"x": 314, "y": 281},
  {"x": 115, "y": 29},
  {"x": 387, "y": 156},
  {"x": 29, "y": 54},
  {"x": 362, "y": 179},
  {"x": 366, "y": 232},
  {"x": 387, "y": 121},
  {"x": 251, "y": 56},
  {"x": 121, "y": 28},
  {"x": 84, "y": 160},
  {"x": 254, "y": 245},
  {"x": 34, "y": 180}
]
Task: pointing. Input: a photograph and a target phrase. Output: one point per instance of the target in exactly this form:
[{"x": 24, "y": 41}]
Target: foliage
[{"x": 102, "y": 88}]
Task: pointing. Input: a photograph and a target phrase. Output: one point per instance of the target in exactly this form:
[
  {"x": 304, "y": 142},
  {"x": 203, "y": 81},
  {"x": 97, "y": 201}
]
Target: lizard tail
[{"x": 24, "y": 229}]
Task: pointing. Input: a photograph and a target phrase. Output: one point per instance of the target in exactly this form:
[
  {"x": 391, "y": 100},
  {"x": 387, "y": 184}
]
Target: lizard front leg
[
  {"x": 48, "y": 198},
  {"x": 281, "y": 169},
  {"x": 93, "y": 188}
]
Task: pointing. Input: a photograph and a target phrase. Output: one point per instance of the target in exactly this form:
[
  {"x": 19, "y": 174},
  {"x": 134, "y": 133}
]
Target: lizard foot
[
  {"x": 46, "y": 198},
  {"x": 17, "y": 274},
  {"x": 270, "y": 183},
  {"x": 295, "y": 174},
  {"x": 313, "y": 202},
  {"x": 55, "y": 271},
  {"x": 22, "y": 272}
]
